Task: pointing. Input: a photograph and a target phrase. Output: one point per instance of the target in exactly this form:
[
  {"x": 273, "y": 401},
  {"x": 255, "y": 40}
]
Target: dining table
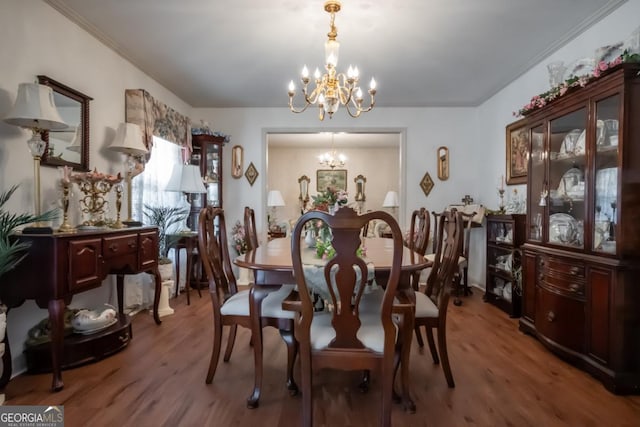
[{"x": 272, "y": 266}]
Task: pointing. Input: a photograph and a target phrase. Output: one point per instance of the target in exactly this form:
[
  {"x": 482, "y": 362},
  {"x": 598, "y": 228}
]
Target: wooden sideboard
[{"x": 60, "y": 265}]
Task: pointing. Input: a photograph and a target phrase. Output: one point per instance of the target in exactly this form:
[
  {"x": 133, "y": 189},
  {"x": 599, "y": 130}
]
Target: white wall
[{"x": 35, "y": 39}]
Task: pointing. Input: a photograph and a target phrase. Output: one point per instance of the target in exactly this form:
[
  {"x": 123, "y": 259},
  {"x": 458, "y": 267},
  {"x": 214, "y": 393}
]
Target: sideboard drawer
[
  {"x": 148, "y": 249},
  {"x": 560, "y": 319},
  {"x": 120, "y": 245},
  {"x": 85, "y": 264}
]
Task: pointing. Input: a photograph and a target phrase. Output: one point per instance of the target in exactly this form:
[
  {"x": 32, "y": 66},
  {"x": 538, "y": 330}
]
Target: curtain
[
  {"x": 156, "y": 119},
  {"x": 148, "y": 189}
]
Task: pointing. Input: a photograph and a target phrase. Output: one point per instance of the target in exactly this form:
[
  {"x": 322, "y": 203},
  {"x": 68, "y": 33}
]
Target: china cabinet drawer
[
  {"x": 560, "y": 319},
  {"x": 563, "y": 277}
]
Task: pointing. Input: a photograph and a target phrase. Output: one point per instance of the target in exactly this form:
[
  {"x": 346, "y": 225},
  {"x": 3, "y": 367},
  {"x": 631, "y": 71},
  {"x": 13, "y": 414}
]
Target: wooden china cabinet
[
  {"x": 581, "y": 259},
  {"x": 207, "y": 154}
]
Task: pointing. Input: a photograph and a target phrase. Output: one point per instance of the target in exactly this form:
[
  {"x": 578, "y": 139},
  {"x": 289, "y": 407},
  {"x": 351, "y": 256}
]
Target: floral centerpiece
[
  {"x": 238, "y": 238},
  {"x": 330, "y": 197},
  {"x": 539, "y": 101}
]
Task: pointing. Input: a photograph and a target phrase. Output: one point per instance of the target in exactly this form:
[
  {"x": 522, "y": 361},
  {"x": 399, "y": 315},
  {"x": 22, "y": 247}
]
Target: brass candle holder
[
  {"x": 118, "y": 223},
  {"x": 95, "y": 186},
  {"x": 65, "y": 227}
]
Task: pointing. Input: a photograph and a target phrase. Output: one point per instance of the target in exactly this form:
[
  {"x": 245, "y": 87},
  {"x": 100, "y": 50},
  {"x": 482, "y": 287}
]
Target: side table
[{"x": 189, "y": 242}]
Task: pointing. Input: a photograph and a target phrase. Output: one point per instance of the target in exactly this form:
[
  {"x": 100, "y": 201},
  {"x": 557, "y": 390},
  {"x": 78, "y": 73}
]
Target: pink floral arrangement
[{"x": 539, "y": 101}]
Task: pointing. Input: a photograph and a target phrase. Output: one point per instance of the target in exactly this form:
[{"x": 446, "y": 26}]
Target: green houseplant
[
  {"x": 164, "y": 217},
  {"x": 11, "y": 253}
]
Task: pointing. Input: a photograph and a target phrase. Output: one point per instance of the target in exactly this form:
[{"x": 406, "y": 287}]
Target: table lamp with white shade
[
  {"x": 186, "y": 179},
  {"x": 128, "y": 140},
  {"x": 76, "y": 142},
  {"x": 274, "y": 200},
  {"x": 391, "y": 201},
  {"x": 35, "y": 110}
]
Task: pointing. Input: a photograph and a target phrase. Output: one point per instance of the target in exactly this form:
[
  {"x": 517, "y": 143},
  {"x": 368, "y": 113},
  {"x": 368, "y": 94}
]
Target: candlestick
[
  {"x": 65, "y": 227},
  {"x": 501, "y": 206}
]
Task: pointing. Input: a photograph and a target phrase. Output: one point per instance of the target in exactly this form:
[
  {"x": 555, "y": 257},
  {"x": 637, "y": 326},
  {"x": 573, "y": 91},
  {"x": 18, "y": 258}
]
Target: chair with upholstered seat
[
  {"x": 460, "y": 278},
  {"x": 431, "y": 306},
  {"x": 357, "y": 333},
  {"x": 418, "y": 237},
  {"x": 251, "y": 235},
  {"x": 230, "y": 306}
]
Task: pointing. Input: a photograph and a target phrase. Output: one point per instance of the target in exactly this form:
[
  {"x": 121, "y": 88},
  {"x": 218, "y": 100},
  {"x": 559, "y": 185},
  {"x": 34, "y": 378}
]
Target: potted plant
[
  {"x": 164, "y": 217},
  {"x": 12, "y": 253}
]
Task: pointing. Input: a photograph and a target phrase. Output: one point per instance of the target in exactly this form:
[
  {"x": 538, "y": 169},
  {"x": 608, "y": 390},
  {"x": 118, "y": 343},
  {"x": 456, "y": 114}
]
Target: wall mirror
[
  {"x": 304, "y": 181},
  {"x": 237, "y": 159},
  {"x": 68, "y": 146},
  {"x": 360, "y": 182}
]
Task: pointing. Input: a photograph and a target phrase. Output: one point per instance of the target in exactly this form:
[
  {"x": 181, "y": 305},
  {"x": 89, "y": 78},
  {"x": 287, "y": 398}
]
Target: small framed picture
[
  {"x": 336, "y": 178},
  {"x": 517, "y": 152}
]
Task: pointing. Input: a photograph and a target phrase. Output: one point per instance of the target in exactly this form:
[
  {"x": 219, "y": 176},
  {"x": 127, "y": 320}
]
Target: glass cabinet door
[
  {"x": 566, "y": 186},
  {"x": 538, "y": 195},
  {"x": 211, "y": 178},
  {"x": 606, "y": 175}
]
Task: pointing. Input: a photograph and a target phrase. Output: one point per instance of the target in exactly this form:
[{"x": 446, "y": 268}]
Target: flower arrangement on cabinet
[
  {"x": 539, "y": 101},
  {"x": 330, "y": 197},
  {"x": 238, "y": 238}
]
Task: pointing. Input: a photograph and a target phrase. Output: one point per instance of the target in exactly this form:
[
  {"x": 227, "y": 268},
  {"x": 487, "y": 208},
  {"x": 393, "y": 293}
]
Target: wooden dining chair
[
  {"x": 251, "y": 234},
  {"x": 431, "y": 306},
  {"x": 230, "y": 306},
  {"x": 353, "y": 335},
  {"x": 418, "y": 238},
  {"x": 460, "y": 279}
]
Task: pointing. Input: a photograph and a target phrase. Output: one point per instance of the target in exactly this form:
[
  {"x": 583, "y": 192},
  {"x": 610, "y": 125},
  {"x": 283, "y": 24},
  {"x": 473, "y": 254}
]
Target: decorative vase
[
  {"x": 166, "y": 271},
  {"x": 310, "y": 239}
]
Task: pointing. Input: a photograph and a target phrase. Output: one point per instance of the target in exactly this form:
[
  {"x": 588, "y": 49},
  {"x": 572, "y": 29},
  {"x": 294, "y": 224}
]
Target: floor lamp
[
  {"x": 35, "y": 110},
  {"x": 128, "y": 140}
]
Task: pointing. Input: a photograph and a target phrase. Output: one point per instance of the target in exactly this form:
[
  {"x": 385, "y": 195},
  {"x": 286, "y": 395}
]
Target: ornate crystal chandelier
[
  {"x": 333, "y": 88},
  {"x": 332, "y": 159}
]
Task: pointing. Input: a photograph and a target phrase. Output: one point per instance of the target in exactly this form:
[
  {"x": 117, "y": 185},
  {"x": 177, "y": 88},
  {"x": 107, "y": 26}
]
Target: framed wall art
[
  {"x": 426, "y": 184},
  {"x": 251, "y": 174},
  {"x": 336, "y": 178},
  {"x": 517, "y": 152}
]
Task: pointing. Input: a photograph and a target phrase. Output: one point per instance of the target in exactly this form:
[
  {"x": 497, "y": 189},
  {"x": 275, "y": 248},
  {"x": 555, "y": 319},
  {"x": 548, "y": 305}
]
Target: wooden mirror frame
[
  {"x": 360, "y": 181},
  {"x": 304, "y": 190},
  {"x": 84, "y": 123},
  {"x": 237, "y": 159},
  {"x": 443, "y": 163}
]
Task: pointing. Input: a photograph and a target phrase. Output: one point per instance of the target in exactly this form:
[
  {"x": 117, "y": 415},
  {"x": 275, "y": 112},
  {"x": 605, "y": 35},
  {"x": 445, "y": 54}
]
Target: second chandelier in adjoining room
[{"x": 332, "y": 88}]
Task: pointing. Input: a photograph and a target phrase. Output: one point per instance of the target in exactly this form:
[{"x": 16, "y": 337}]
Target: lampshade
[
  {"x": 175, "y": 179},
  {"x": 274, "y": 198},
  {"x": 192, "y": 180},
  {"x": 35, "y": 109},
  {"x": 76, "y": 142},
  {"x": 128, "y": 140},
  {"x": 390, "y": 200}
]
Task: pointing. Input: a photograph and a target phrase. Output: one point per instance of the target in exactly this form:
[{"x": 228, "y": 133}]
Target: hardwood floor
[{"x": 503, "y": 378}]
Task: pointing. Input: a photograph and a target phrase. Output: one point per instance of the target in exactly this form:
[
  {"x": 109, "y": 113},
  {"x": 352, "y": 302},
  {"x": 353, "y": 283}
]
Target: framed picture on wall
[
  {"x": 336, "y": 178},
  {"x": 517, "y": 152}
]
